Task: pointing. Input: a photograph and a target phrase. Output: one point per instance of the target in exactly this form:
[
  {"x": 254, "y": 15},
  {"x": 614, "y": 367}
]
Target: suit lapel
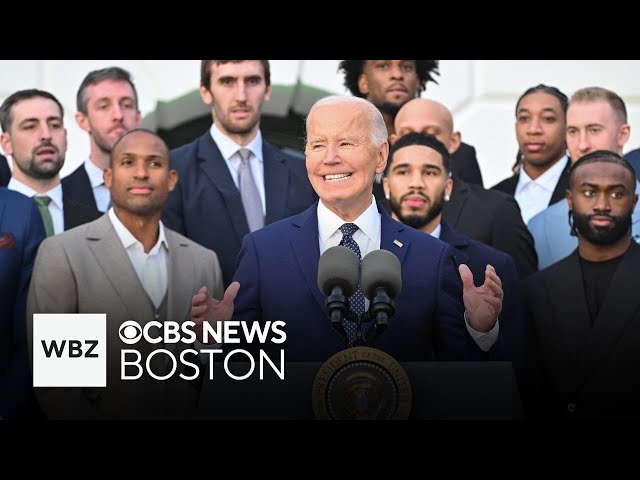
[
  {"x": 568, "y": 301},
  {"x": 108, "y": 251},
  {"x": 307, "y": 250},
  {"x": 180, "y": 271},
  {"x": 619, "y": 308},
  {"x": 453, "y": 208},
  {"x": 276, "y": 179},
  {"x": 392, "y": 237},
  {"x": 216, "y": 170},
  {"x": 560, "y": 191}
]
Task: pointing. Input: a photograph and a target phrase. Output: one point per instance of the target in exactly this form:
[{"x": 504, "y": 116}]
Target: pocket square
[{"x": 7, "y": 240}]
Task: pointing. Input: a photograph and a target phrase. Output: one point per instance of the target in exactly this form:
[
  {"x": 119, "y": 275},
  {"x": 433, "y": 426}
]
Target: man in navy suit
[
  {"x": 417, "y": 182},
  {"x": 21, "y": 231},
  {"x": 5, "y": 171},
  {"x": 107, "y": 104},
  {"x": 277, "y": 271},
  {"x": 208, "y": 205}
]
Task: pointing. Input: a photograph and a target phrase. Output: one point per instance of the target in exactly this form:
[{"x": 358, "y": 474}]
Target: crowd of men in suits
[{"x": 214, "y": 229}]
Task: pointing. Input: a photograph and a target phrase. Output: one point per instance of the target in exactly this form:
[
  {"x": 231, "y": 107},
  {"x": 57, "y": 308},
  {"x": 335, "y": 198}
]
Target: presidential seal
[{"x": 361, "y": 383}]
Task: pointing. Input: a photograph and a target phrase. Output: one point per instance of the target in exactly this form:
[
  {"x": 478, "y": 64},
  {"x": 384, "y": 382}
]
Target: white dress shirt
[
  {"x": 533, "y": 196},
  {"x": 55, "y": 206},
  {"x": 228, "y": 148},
  {"x": 100, "y": 192},
  {"x": 151, "y": 267}
]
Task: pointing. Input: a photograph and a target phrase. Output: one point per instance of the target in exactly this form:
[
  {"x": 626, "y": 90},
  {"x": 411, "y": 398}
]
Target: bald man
[
  {"x": 488, "y": 216},
  {"x": 128, "y": 265}
]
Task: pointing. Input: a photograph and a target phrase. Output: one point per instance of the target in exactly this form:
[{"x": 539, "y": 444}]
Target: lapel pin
[{"x": 398, "y": 243}]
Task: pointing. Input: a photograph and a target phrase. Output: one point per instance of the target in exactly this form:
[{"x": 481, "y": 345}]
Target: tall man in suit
[
  {"x": 543, "y": 175},
  {"x": 585, "y": 309},
  {"x": 21, "y": 231},
  {"x": 487, "y": 216},
  {"x": 107, "y": 104},
  {"x": 596, "y": 120},
  {"x": 5, "y": 171},
  {"x": 417, "y": 184},
  {"x": 33, "y": 134},
  {"x": 389, "y": 84},
  {"x": 231, "y": 181},
  {"x": 128, "y": 265},
  {"x": 277, "y": 271}
]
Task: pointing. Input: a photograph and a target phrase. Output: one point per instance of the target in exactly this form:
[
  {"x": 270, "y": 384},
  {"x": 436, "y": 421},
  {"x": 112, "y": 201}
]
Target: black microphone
[
  {"x": 338, "y": 276},
  {"x": 381, "y": 282}
]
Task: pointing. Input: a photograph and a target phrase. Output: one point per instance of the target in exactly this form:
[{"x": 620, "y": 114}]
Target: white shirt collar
[
  {"x": 437, "y": 231},
  {"x": 55, "y": 194},
  {"x": 228, "y": 147},
  {"x": 548, "y": 180},
  {"x": 94, "y": 172},
  {"x": 127, "y": 238},
  {"x": 368, "y": 222}
]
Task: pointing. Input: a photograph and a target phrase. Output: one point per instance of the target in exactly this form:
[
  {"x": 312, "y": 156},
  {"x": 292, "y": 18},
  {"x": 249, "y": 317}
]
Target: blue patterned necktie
[{"x": 356, "y": 301}]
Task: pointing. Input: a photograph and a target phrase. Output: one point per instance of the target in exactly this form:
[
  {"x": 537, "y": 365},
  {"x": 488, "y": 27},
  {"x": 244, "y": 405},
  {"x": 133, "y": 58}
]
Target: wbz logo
[{"x": 69, "y": 350}]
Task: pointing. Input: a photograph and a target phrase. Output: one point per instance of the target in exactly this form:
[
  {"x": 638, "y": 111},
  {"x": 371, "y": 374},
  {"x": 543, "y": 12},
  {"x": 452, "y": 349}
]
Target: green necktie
[{"x": 43, "y": 206}]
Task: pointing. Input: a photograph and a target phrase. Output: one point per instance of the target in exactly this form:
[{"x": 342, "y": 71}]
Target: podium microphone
[
  {"x": 381, "y": 282},
  {"x": 338, "y": 276}
]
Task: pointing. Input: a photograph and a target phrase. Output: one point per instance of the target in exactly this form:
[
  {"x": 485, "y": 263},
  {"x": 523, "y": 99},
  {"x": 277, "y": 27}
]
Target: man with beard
[
  {"x": 585, "y": 310},
  {"x": 107, "y": 104},
  {"x": 389, "y": 84},
  {"x": 487, "y": 216},
  {"x": 35, "y": 137},
  {"x": 129, "y": 266},
  {"x": 596, "y": 120},
  {"x": 231, "y": 181},
  {"x": 417, "y": 184}
]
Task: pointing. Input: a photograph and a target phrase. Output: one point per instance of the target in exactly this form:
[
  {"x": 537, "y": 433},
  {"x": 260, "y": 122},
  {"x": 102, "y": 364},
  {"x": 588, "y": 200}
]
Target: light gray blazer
[{"x": 87, "y": 270}]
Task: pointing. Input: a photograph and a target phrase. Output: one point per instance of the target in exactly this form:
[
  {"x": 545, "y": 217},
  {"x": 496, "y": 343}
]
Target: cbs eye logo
[{"x": 130, "y": 332}]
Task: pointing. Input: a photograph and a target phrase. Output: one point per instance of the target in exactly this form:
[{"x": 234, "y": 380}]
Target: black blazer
[
  {"x": 492, "y": 218},
  {"x": 77, "y": 187},
  {"x": 579, "y": 370},
  {"x": 476, "y": 256},
  {"x": 464, "y": 164},
  {"x": 206, "y": 205},
  {"x": 76, "y": 213},
  {"x": 559, "y": 193},
  {"x": 5, "y": 171}
]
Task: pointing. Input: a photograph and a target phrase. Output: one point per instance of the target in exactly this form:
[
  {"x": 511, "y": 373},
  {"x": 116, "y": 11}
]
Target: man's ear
[
  {"x": 456, "y": 140},
  {"x": 392, "y": 138},
  {"x": 363, "y": 84}
]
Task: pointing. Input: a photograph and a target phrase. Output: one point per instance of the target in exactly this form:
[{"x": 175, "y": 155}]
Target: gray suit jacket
[{"x": 87, "y": 270}]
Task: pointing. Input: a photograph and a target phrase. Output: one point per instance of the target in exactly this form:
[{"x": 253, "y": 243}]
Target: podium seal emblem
[{"x": 361, "y": 383}]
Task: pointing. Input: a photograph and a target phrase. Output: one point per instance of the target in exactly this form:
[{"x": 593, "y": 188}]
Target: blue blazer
[
  {"x": 513, "y": 342},
  {"x": 278, "y": 269},
  {"x": 552, "y": 234},
  {"x": 206, "y": 205},
  {"x": 633, "y": 157},
  {"x": 21, "y": 231}
]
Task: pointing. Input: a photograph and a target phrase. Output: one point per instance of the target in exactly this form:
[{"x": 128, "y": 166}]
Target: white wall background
[{"x": 480, "y": 93}]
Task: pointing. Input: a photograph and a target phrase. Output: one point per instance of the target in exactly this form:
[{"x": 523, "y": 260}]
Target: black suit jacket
[
  {"x": 579, "y": 370},
  {"x": 77, "y": 187},
  {"x": 464, "y": 164},
  {"x": 559, "y": 193},
  {"x": 5, "y": 171},
  {"x": 492, "y": 218},
  {"x": 206, "y": 205},
  {"x": 76, "y": 213}
]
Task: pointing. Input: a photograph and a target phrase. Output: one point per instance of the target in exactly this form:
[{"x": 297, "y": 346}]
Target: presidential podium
[{"x": 440, "y": 391}]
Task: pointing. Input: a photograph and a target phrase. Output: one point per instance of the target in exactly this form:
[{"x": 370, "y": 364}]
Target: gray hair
[{"x": 378, "y": 129}]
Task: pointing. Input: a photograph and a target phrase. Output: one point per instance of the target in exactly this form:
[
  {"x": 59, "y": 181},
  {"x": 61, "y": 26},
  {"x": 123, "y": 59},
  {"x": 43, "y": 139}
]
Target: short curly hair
[{"x": 353, "y": 68}]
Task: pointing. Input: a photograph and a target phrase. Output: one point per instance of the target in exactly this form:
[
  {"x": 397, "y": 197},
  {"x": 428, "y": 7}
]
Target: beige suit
[{"x": 87, "y": 270}]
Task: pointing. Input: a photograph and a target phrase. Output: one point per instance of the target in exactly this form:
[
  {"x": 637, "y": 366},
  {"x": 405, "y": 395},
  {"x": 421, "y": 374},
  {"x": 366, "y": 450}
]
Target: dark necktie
[
  {"x": 249, "y": 192},
  {"x": 43, "y": 205},
  {"x": 356, "y": 301}
]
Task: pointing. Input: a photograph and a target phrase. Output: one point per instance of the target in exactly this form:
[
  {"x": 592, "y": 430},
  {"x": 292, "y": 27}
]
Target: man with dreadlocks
[
  {"x": 389, "y": 84},
  {"x": 584, "y": 311}
]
